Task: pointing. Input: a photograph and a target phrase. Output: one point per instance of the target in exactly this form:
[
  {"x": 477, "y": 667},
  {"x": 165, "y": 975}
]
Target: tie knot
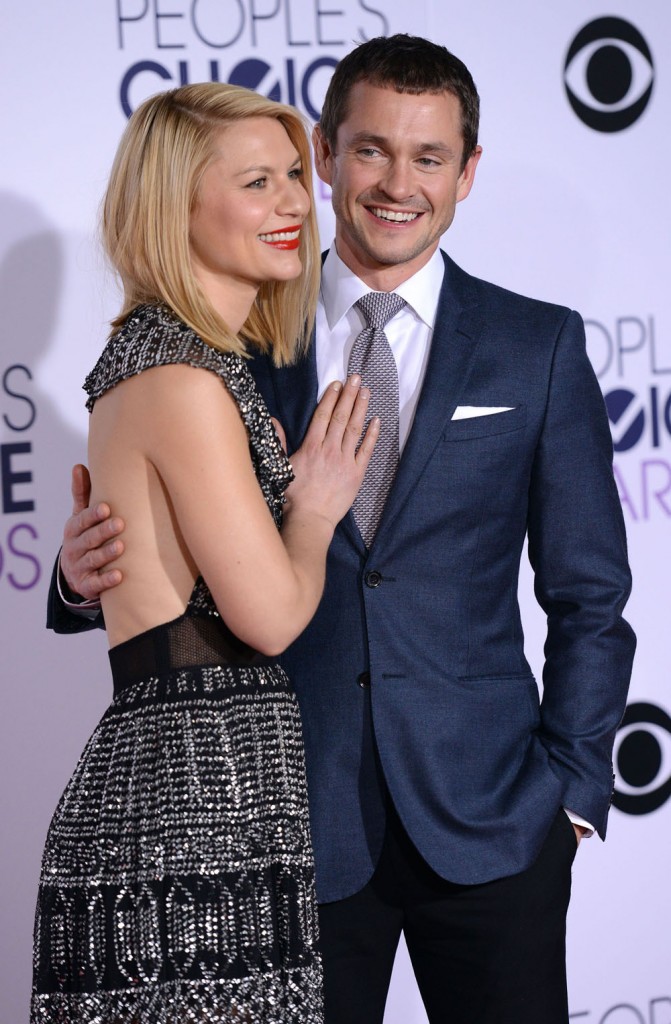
[{"x": 379, "y": 307}]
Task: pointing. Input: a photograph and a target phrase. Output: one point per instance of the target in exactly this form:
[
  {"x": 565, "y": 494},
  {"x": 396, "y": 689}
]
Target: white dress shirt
[{"x": 409, "y": 332}]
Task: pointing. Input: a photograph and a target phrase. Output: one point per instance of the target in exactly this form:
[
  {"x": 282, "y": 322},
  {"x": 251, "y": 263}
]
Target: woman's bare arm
[{"x": 188, "y": 428}]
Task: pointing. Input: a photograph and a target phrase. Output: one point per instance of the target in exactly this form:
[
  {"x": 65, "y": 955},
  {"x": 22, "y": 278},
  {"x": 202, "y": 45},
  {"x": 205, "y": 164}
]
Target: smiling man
[
  {"x": 397, "y": 168},
  {"x": 447, "y": 801}
]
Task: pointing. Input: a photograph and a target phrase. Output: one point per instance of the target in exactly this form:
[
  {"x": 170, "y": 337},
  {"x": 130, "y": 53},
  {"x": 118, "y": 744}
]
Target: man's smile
[{"x": 394, "y": 216}]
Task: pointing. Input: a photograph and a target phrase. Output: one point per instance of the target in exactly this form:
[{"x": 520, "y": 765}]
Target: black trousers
[{"x": 482, "y": 954}]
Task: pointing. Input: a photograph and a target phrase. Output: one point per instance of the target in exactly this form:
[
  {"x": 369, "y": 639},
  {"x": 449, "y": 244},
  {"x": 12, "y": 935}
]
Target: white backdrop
[{"x": 570, "y": 205}]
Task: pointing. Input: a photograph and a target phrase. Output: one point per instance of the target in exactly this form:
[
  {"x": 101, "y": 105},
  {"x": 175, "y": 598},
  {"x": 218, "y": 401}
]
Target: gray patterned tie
[{"x": 372, "y": 357}]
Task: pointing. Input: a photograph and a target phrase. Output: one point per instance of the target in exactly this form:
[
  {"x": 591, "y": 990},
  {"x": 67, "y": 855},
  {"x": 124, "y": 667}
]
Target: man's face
[{"x": 396, "y": 178}]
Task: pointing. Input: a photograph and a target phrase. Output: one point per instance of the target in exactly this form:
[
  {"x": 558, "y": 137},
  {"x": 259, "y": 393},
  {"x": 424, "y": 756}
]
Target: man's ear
[
  {"x": 467, "y": 176},
  {"x": 323, "y": 155}
]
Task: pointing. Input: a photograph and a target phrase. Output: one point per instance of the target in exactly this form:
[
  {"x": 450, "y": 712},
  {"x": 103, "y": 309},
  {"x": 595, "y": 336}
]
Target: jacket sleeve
[
  {"x": 577, "y": 548},
  {"x": 60, "y": 618}
]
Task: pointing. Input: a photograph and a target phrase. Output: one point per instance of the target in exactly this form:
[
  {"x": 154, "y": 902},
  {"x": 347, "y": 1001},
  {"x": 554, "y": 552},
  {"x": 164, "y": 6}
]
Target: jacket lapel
[
  {"x": 453, "y": 350},
  {"x": 296, "y": 390}
]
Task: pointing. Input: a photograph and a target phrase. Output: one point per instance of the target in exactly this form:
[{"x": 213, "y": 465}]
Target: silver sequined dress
[{"x": 177, "y": 880}]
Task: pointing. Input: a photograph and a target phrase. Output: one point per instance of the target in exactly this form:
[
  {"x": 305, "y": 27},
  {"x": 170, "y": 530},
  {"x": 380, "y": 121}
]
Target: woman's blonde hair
[{"x": 152, "y": 191}]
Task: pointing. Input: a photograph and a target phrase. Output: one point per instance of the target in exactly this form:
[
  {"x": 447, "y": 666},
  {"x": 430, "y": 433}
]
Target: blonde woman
[{"x": 177, "y": 880}]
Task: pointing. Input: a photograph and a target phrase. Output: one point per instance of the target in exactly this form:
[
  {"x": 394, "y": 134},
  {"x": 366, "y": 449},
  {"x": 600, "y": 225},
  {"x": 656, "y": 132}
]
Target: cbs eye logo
[
  {"x": 608, "y": 74},
  {"x": 643, "y": 760}
]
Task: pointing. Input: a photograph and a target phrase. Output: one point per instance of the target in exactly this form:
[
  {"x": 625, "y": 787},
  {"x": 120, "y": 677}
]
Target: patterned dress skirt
[{"x": 177, "y": 883}]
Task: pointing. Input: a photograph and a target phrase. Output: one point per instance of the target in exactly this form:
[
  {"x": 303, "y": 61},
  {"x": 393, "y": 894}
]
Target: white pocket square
[{"x": 467, "y": 412}]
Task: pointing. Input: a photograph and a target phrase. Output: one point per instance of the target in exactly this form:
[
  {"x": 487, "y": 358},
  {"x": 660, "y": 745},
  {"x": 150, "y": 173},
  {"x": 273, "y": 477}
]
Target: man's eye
[{"x": 369, "y": 151}]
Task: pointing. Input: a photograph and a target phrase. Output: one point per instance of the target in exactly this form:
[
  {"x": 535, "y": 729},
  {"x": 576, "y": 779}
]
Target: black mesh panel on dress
[{"x": 198, "y": 637}]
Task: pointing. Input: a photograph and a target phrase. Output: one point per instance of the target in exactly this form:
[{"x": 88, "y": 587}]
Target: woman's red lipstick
[{"x": 286, "y": 238}]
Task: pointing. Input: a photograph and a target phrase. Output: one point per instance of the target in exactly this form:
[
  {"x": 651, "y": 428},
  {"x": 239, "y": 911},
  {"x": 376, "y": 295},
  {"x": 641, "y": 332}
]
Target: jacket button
[
  {"x": 373, "y": 578},
  {"x": 364, "y": 680}
]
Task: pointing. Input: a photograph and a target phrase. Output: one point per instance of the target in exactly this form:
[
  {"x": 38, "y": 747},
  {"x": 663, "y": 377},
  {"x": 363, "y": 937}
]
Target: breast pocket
[{"x": 486, "y": 425}]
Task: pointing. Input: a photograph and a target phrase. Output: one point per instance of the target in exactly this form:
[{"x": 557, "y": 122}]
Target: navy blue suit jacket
[
  {"x": 428, "y": 620},
  {"x": 412, "y": 674}
]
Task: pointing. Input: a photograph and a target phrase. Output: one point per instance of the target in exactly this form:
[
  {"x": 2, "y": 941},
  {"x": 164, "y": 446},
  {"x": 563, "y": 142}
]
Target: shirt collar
[{"x": 340, "y": 288}]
